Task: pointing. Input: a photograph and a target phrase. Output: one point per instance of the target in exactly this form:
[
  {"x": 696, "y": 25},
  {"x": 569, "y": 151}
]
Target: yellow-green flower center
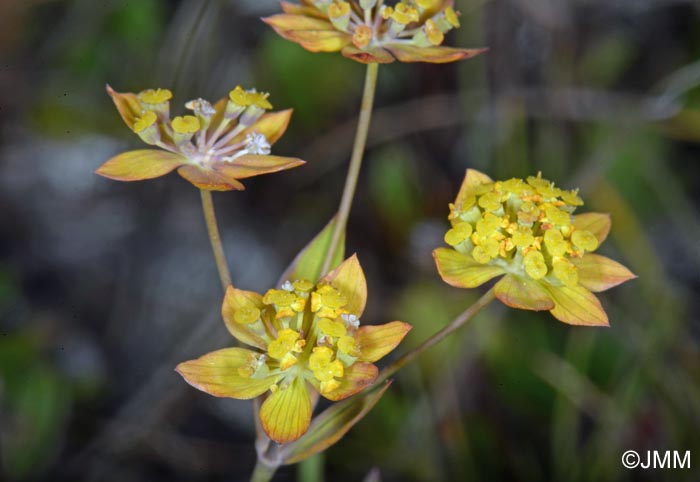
[{"x": 523, "y": 226}]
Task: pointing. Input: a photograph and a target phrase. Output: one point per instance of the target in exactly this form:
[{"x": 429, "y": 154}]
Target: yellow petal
[
  {"x": 472, "y": 179},
  {"x": 236, "y": 300},
  {"x": 596, "y": 223},
  {"x": 314, "y": 34},
  {"x": 375, "y": 55},
  {"x": 350, "y": 280},
  {"x": 433, "y": 55},
  {"x": 461, "y": 271},
  {"x": 141, "y": 164},
  {"x": 356, "y": 378},
  {"x": 290, "y": 22},
  {"x": 127, "y": 104},
  {"x": 577, "y": 306},
  {"x": 309, "y": 11},
  {"x": 209, "y": 180},
  {"x": 318, "y": 40},
  {"x": 256, "y": 165},
  {"x": 217, "y": 373},
  {"x": 286, "y": 414},
  {"x": 523, "y": 293},
  {"x": 376, "y": 341},
  {"x": 598, "y": 273}
]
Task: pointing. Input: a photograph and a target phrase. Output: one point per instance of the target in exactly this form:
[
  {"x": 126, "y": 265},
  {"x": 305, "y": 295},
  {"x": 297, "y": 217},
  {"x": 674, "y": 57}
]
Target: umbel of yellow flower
[
  {"x": 213, "y": 147},
  {"x": 305, "y": 337},
  {"x": 369, "y": 31},
  {"x": 527, "y": 231}
]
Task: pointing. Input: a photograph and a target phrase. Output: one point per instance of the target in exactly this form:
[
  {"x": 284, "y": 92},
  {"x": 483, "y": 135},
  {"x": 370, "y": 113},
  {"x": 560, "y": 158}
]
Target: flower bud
[{"x": 203, "y": 110}]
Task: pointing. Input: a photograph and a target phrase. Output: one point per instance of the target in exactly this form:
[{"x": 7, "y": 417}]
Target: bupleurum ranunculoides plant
[
  {"x": 527, "y": 231},
  {"x": 370, "y": 32},
  {"x": 213, "y": 147},
  {"x": 304, "y": 336}
]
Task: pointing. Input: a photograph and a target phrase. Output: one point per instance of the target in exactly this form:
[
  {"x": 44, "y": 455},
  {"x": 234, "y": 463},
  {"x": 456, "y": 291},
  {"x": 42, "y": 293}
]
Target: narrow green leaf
[
  {"x": 332, "y": 425},
  {"x": 309, "y": 261}
]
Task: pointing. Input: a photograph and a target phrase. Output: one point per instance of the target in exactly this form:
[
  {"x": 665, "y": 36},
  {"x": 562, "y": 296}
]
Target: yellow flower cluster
[
  {"x": 308, "y": 327},
  {"x": 523, "y": 227}
]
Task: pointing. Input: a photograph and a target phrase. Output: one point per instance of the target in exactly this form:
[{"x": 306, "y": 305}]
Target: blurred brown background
[{"x": 105, "y": 286}]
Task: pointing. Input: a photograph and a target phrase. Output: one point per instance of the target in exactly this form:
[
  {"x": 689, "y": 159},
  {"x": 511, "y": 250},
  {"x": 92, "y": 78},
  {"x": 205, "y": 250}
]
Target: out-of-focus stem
[
  {"x": 263, "y": 472},
  {"x": 358, "y": 151},
  {"x": 454, "y": 325},
  {"x": 215, "y": 238}
]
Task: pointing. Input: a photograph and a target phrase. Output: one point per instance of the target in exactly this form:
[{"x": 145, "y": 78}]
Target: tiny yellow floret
[
  {"x": 433, "y": 33},
  {"x": 155, "y": 96},
  {"x": 362, "y": 36},
  {"x": 146, "y": 120},
  {"x": 187, "y": 124}
]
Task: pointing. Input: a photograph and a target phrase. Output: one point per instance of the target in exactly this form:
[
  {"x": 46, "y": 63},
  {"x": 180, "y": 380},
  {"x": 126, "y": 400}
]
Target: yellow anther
[
  {"x": 332, "y": 328},
  {"x": 554, "y": 241},
  {"x": 458, "y": 234},
  {"x": 523, "y": 237},
  {"x": 325, "y": 369},
  {"x": 557, "y": 216},
  {"x": 584, "y": 240},
  {"x": 247, "y": 98},
  {"x": 188, "y": 124},
  {"x": 286, "y": 343},
  {"x": 155, "y": 96},
  {"x": 404, "y": 14},
  {"x": 387, "y": 12},
  {"x": 348, "y": 345},
  {"x": 488, "y": 224},
  {"x": 433, "y": 33},
  {"x": 362, "y": 36},
  {"x": 279, "y": 297},
  {"x": 535, "y": 267},
  {"x": 572, "y": 198},
  {"x": 452, "y": 17},
  {"x": 339, "y": 10},
  {"x": 491, "y": 247},
  {"x": 565, "y": 271},
  {"x": 247, "y": 315},
  {"x": 146, "y": 120},
  {"x": 303, "y": 285},
  {"x": 491, "y": 201}
]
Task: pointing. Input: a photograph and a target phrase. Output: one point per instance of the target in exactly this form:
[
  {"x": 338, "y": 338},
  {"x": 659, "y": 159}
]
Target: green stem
[
  {"x": 358, "y": 151},
  {"x": 215, "y": 238},
  {"x": 263, "y": 472},
  {"x": 453, "y": 326}
]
